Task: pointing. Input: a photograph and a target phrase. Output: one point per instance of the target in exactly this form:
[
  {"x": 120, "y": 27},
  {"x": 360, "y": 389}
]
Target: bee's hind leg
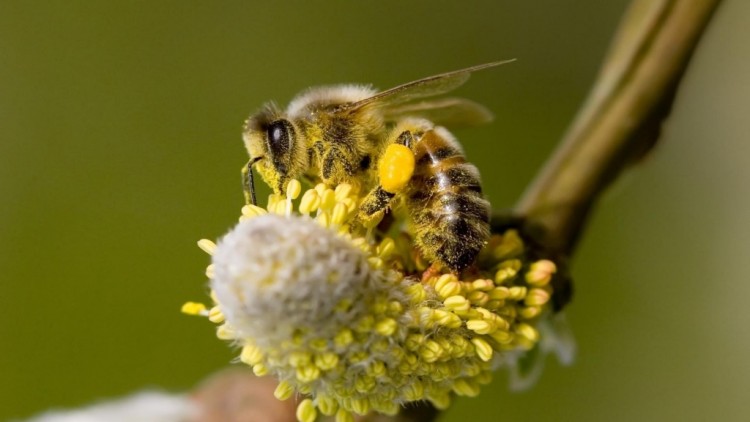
[
  {"x": 395, "y": 169},
  {"x": 373, "y": 207}
]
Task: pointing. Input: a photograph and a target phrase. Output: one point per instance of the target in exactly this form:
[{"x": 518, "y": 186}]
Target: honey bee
[{"x": 389, "y": 145}]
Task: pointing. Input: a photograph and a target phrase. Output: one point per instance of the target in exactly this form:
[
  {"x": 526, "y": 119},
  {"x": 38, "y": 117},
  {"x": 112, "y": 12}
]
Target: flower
[{"x": 347, "y": 319}]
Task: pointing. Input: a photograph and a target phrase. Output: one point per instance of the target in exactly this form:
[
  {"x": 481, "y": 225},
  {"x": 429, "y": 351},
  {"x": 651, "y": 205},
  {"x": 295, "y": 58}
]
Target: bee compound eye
[{"x": 279, "y": 136}]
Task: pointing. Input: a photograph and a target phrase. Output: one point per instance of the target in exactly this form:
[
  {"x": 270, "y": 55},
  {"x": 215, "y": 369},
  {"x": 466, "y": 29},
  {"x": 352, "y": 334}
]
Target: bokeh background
[{"x": 120, "y": 147}]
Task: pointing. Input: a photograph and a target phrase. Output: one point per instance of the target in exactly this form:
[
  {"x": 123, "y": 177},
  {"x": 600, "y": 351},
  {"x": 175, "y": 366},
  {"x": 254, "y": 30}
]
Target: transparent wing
[
  {"x": 450, "y": 112},
  {"x": 426, "y": 87}
]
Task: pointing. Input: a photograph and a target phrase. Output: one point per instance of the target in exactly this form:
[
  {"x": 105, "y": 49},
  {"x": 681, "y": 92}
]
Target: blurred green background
[{"x": 120, "y": 147}]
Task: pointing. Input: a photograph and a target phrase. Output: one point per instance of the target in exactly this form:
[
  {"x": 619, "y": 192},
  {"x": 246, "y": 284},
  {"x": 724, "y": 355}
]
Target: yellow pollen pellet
[
  {"x": 395, "y": 168},
  {"x": 283, "y": 391},
  {"x": 193, "y": 308},
  {"x": 306, "y": 411},
  {"x": 207, "y": 246},
  {"x": 483, "y": 349}
]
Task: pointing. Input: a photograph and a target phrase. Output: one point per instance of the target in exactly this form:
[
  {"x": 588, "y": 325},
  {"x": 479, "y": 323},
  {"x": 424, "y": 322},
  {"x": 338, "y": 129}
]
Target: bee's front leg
[
  {"x": 338, "y": 165},
  {"x": 395, "y": 169}
]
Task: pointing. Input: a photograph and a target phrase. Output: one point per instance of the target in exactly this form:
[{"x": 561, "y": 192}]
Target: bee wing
[
  {"x": 425, "y": 87},
  {"x": 450, "y": 112}
]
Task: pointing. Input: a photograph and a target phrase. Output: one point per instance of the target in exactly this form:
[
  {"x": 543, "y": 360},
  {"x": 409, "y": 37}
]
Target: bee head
[{"x": 276, "y": 143}]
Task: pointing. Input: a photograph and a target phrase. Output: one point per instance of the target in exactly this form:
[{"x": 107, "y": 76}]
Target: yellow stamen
[
  {"x": 306, "y": 411},
  {"x": 293, "y": 189},
  {"x": 310, "y": 202},
  {"x": 215, "y": 315},
  {"x": 207, "y": 246},
  {"x": 344, "y": 416},
  {"x": 193, "y": 308},
  {"x": 483, "y": 349},
  {"x": 283, "y": 391}
]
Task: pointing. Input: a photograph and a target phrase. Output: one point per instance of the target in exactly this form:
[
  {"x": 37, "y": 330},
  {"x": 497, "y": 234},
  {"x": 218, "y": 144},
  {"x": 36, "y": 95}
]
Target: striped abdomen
[{"x": 445, "y": 202}]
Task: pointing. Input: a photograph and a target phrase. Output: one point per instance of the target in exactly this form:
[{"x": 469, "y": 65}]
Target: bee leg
[
  {"x": 394, "y": 172},
  {"x": 248, "y": 185},
  {"x": 337, "y": 166},
  {"x": 373, "y": 206},
  {"x": 433, "y": 270}
]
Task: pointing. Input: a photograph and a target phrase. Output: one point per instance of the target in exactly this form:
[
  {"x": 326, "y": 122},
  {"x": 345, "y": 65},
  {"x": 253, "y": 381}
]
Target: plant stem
[{"x": 619, "y": 122}]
